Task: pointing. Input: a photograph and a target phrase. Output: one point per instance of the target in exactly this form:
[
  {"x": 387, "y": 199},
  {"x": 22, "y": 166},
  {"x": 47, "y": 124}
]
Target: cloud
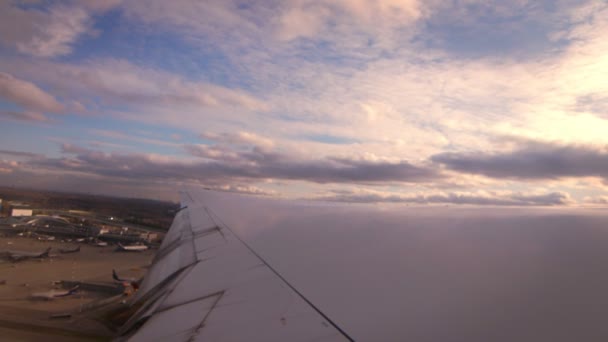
[
  {"x": 532, "y": 161},
  {"x": 27, "y": 94},
  {"x": 506, "y": 29},
  {"x": 316, "y": 84},
  {"x": 119, "y": 82},
  {"x": 307, "y": 19},
  {"x": 479, "y": 198},
  {"x": 261, "y": 164},
  {"x": 23, "y": 116},
  {"x": 409, "y": 102},
  {"x": 239, "y": 138},
  {"x": 42, "y": 32},
  {"x": 19, "y": 154},
  {"x": 7, "y": 166},
  {"x": 286, "y": 20},
  {"x": 593, "y": 103},
  {"x": 74, "y": 149},
  {"x": 240, "y": 167},
  {"x": 602, "y": 200},
  {"x": 433, "y": 94},
  {"x": 244, "y": 189},
  {"x": 115, "y": 135}
]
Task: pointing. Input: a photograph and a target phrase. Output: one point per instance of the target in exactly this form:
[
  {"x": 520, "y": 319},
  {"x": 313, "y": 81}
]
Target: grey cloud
[
  {"x": 242, "y": 189},
  {"x": 108, "y": 185},
  {"x": 19, "y": 154},
  {"x": 8, "y": 166},
  {"x": 593, "y": 103},
  {"x": 73, "y": 149},
  {"x": 23, "y": 116},
  {"x": 226, "y": 167},
  {"x": 532, "y": 160},
  {"x": 513, "y": 199},
  {"x": 258, "y": 163}
]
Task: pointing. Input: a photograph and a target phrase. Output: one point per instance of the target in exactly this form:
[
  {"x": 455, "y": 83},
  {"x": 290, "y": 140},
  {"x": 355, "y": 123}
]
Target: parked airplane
[
  {"x": 131, "y": 281},
  {"x": 67, "y": 250},
  {"x": 52, "y": 294},
  {"x": 131, "y": 248},
  {"x": 15, "y": 256}
]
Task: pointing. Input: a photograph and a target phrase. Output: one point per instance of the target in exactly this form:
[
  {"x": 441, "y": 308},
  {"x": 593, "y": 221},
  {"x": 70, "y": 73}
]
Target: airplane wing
[{"x": 206, "y": 284}]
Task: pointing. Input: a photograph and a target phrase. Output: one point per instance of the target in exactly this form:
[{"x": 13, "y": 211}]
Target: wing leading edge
[{"x": 205, "y": 284}]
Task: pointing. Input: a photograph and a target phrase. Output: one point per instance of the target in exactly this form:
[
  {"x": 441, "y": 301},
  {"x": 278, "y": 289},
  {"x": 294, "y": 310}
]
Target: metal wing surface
[{"x": 205, "y": 284}]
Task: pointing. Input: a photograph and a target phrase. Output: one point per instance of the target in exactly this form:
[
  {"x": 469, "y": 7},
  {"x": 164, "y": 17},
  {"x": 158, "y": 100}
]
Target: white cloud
[
  {"x": 298, "y": 22},
  {"x": 151, "y": 95},
  {"x": 63, "y": 28},
  {"x": 239, "y": 138},
  {"x": 310, "y": 18},
  {"x": 27, "y": 94},
  {"x": 41, "y": 32}
]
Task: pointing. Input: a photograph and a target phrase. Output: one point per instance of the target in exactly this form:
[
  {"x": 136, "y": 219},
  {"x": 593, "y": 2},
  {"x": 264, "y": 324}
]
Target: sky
[{"x": 408, "y": 102}]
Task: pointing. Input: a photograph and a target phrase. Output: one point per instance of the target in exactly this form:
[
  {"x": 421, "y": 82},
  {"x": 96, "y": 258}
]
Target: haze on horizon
[{"x": 476, "y": 102}]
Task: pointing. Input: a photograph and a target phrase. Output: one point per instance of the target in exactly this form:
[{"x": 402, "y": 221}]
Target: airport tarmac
[{"x": 24, "y": 319}]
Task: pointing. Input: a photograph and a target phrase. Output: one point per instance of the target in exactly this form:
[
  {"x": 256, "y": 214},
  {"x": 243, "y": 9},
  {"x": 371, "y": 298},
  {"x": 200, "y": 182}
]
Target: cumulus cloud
[
  {"x": 27, "y": 94},
  {"x": 479, "y": 198},
  {"x": 533, "y": 160}
]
